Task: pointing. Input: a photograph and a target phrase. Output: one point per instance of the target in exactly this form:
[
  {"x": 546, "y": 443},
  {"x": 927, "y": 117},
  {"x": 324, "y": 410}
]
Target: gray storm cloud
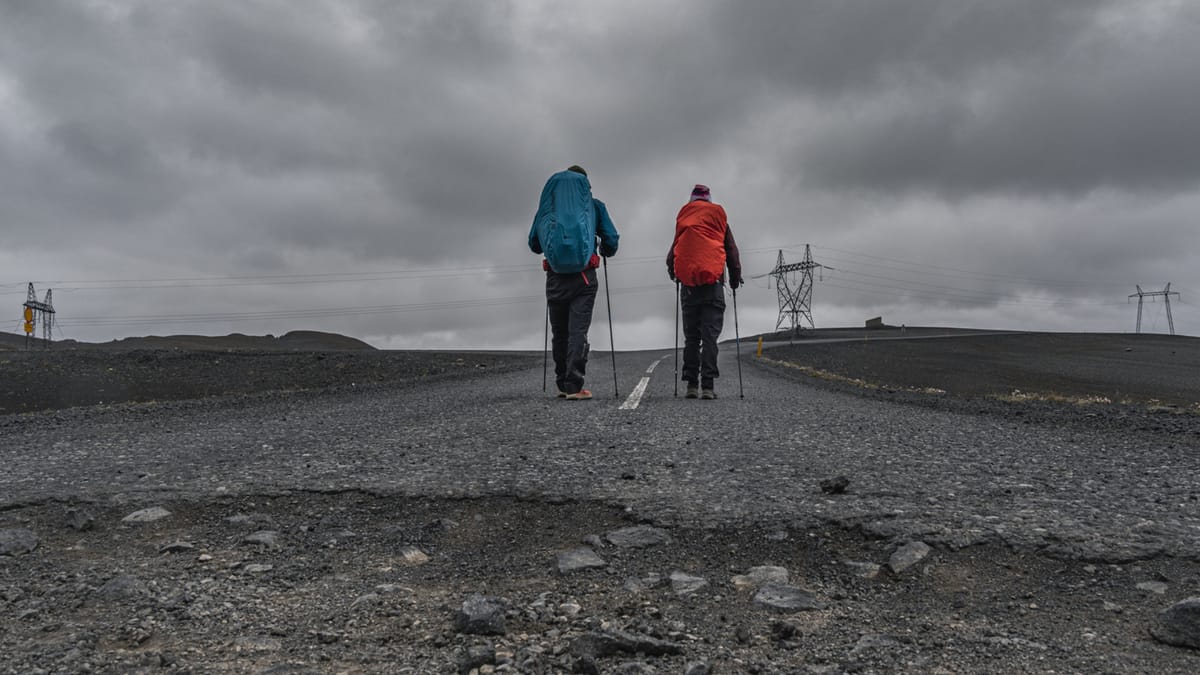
[{"x": 1022, "y": 161}]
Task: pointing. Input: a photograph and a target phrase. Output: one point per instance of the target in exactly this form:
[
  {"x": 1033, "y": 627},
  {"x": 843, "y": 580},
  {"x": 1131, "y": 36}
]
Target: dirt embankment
[
  {"x": 61, "y": 378},
  {"x": 1145, "y": 383},
  {"x": 1148, "y": 369}
]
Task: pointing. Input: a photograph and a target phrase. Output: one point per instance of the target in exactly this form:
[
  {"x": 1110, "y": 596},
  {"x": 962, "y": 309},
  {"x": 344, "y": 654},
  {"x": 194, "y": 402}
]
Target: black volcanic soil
[
  {"x": 339, "y": 593},
  {"x": 49, "y": 379},
  {"x": 1126, "y": 370},
  {"x": 356, "y": 582},
  {"x": 1142, "y": 383},
  {"x": 1147, "y": 369}
]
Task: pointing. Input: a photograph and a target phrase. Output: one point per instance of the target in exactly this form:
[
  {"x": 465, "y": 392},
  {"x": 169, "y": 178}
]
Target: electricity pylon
[
  {"x": 795, "y": 301},
  {"x": 36, "y": 312},
  {"x": 1166, "y": 294}
]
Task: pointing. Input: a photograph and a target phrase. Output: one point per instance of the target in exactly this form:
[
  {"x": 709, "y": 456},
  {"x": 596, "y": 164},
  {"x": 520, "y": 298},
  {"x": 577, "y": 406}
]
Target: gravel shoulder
[
  {"x": 1118, "y": 368},
  {"x": 1145, "y": 383},
  {"x": 364, "y": 583},
  {"x": 63, "y": 378}
]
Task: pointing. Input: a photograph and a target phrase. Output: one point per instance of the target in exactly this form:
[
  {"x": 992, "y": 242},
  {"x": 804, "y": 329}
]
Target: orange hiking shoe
[{"x": 582, "y": 395}]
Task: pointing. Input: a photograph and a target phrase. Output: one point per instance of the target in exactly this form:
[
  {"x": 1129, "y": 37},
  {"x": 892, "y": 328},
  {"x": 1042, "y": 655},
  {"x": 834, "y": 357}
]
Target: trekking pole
[
  {"x": 611, "y": 346},
  {"x": 676, "y": 337},
  {"x": 546, "y": 347},
  {"x": 737, "y": 341}
]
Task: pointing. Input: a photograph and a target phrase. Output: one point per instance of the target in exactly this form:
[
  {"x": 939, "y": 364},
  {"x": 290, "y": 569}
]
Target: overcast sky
[{"x": 372, "y": 167}]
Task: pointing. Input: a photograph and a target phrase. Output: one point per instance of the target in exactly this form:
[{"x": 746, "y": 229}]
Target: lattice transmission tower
[
  {"x": 38, "y": 312},
  {"x": 795, "y": 299},
  {"x": 1166, "y": 294}
]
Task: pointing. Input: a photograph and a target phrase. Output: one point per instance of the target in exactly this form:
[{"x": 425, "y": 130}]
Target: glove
[{"x": 734, "y": 282}]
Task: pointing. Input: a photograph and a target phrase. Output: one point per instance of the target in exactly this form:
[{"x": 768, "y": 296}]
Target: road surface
[{"x": 949, "y": 479}]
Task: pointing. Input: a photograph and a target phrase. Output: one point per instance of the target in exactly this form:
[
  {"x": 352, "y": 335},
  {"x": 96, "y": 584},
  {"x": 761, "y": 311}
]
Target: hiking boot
[
  {"x": 560, "y": 393},
  {"x": 581, "y": 395},
  {"x": 708, "y": 395},
  {"x": 692, "y": 391}
]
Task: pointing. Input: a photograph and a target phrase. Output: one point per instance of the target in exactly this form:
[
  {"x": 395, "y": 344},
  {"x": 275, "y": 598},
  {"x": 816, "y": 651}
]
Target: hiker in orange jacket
[{"x": 703, "y": 247}]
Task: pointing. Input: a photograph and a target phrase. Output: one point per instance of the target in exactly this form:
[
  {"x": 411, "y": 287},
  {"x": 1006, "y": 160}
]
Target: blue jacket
[{"x": 567, "y": 222}]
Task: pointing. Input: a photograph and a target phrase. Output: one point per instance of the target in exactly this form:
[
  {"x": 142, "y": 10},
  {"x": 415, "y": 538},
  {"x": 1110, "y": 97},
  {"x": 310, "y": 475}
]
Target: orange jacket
[{"x": 699, "y": 246}]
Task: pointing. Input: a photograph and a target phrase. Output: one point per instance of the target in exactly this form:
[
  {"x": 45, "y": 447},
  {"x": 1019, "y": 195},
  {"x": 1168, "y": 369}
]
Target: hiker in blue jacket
[{"x": 565, "y": 230}]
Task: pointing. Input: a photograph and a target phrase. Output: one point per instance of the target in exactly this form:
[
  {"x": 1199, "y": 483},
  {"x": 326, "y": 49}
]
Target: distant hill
[
  {"x": 299, "y": 340},
  {"x": 12, "y": 341},
  {"x": 881, "y": 330}
]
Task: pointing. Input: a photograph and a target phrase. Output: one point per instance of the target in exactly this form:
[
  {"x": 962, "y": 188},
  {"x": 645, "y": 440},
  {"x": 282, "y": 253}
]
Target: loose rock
[
  {"x": 757, "y": 576},
  {"x": 123, "y": 587},
  {"x": 251, "y": 520},
  {"x": 639, "y": 536},
  {"x": 875, "y": 642},
  {"x": 266, "y": 538},
  {"x": 1179, "y": 624},
  {"x": 413, "y": 555},
  {"x": 864, "y": 570},
  {"x": 600, "y": 644},
  {"x": 176, "y": 547},
  {"x": 480, "y": 615},
  {"x": 80, "y": 520},
  {"x": 785, "y": 598},
  {"x": 150, "y": 515},
  {"x": 17, "y": 541},
  {"x": 835, "y": 486},
  {"x": 594, "y": 541},
  {"x": 579, "y": 559},
  {"x": 1155, "y": 587},
  {"x": 476, "y": 656},
  {"x": 908, "y": 555},
  {"x": 686, "y": 584}
]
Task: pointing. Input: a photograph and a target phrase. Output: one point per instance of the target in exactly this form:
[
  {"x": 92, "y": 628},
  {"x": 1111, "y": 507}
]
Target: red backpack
[{"x": 700, "y": 243}]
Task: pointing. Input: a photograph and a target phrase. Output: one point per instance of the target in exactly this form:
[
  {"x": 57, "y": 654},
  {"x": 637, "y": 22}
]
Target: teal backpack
[{"x": 565, "y": 224}]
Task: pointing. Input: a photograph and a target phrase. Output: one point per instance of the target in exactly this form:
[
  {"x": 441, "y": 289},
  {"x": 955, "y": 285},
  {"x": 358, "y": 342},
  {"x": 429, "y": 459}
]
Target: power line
[
  {"x": 957, "y": 272},
  {"x": 877, "y": 289},
  {"x": 301, "y": 279},
  {"x": 867, "y": 280},
  {"x": 316, "y": 277},
  {"x": 959, "y": 292},
  {"x": 470, "y": 303}
]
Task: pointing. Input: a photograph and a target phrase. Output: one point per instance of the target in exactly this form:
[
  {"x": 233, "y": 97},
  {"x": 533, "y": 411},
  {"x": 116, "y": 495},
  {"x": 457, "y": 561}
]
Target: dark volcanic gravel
[
  {"x": 1122, "y": 368},
  {"x": 1145, "y": 383},
  {"x": 361, "y": 583},
  {"x": 391, "y": 512},
  {"x": 61, "y": 378}
]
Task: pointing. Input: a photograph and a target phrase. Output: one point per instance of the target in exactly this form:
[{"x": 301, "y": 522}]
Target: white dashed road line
[{"x": 635, "y": 396}]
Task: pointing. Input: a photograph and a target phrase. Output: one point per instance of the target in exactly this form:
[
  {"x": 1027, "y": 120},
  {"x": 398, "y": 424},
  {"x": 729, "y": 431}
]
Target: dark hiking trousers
[
  {"x": 703, "y": 317},
  {"x": 570, "y": 298}
]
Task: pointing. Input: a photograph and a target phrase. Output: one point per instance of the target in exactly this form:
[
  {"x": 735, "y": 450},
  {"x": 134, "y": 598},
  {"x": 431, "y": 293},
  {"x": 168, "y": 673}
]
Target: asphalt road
[{"x": 947, "y": 478}]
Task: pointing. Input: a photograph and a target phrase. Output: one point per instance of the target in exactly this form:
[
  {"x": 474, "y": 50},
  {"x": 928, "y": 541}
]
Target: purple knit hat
[{"x": 701, "y": 192}]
